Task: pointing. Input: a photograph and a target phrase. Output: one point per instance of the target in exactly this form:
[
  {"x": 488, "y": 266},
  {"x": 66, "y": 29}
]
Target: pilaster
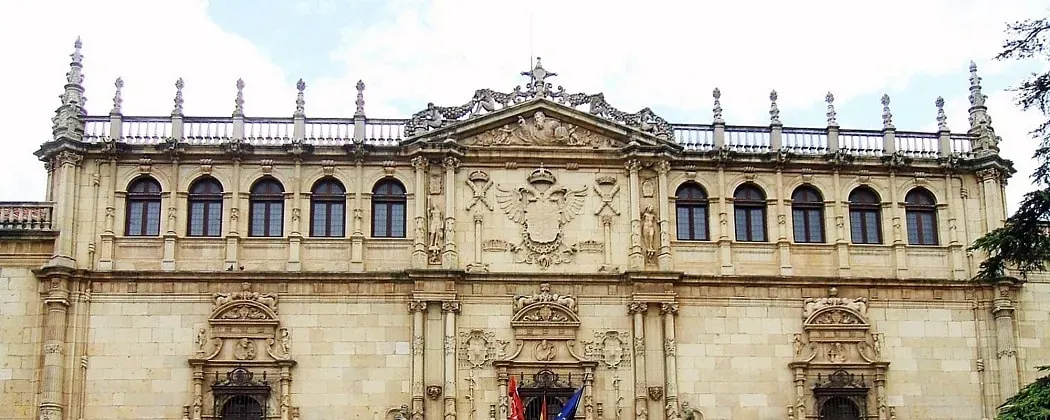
[
  {"x": 1006, "y": 348},
  {"x": 418, "y": 309},
  {"x": 52, "y": 380},
  {"x": 669, "y": 311},
  {"x": 637, "y": 310},
  {"x": 450, "y": 309},
  {"x": 636, "y": 258},
  {"x": 664, "y": 261},
  {"x": 450, "y": 254},
  {"x": 420, "y": 166}
]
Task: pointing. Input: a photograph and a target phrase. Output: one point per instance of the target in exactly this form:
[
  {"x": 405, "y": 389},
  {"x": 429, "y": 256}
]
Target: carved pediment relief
[
  {"x": 486, "y": 101},
  {"x": 266, "y": 303},
  {"x": 536, "y": 128},
  {"x": 835, "y": 310}
]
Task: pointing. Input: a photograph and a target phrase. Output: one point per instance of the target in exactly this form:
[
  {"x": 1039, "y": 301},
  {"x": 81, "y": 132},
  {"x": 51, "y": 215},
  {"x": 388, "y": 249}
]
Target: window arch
[
  {"x": 807, "y": 215},
  {"x": 749, "y": 205},
  {"x": 242, "y": 407},
  {"x": 691, "y": 212},
  {"x": 388, "y": 209},
  {"x": 920, "y": 209},
  {"x": 327, "y": 208},
  {"x": 142, "y": 216},
  {"x": 266, "y": 210},
  {"x": 205, "y": 208},
  {"x": 839, "y": 408},
  {"x": 865, "y": 216}
]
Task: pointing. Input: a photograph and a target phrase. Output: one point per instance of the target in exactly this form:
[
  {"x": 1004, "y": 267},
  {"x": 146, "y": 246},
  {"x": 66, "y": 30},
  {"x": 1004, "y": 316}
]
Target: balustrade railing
[
  {"x": 25, "y": 216},
  {"x": 388, "y": 132}
]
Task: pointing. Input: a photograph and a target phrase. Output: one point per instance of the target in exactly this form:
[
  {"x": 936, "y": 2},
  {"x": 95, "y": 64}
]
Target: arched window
[
  {"x": 327, "y": 209},
  {"x": 143, "y": 208},
  {"x": 920, "y": 207},
  {"x": 388, "y": 209},
  {"x": 807, "y": 215},
  {"x": 266, "y": 216},
  {"x": 205, "y": 203},
  {"x": 865, "y": 216},
  {"x": 691, "y": 210},
  {"x": 749, "y": 205}
]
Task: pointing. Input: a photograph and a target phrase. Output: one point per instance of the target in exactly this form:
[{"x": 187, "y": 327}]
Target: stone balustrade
[
  {"x": 25, "y": 216},
  {"x": 388, "y": 132}
]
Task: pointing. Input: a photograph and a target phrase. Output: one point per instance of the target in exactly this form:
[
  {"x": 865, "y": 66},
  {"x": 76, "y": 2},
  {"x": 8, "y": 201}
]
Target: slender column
[
  {"x": 477, "y": 266},
  {"x": 56, "y": 301},
  {"x": 233, "y": 237},
  {"x": 588, "y": 394},
  {"x": 663, "y": 258},
  {"x": 636, "y": 259},
  {"x": 957, "y": 261},
  {"x": 419, "y": 248},
  {"x": 991, "y": 185},
  {"x": 295, "y": 236},
  {"x": 197, "y": 407},
  {"x": 357, "y": 238},
  {"x": 450, "y": 308},
  {"x": 882, "y": 407},
  {"x": 799, "y": 408},
  {"x": 167, "y": 262},
  {"x": 286, "y": 393},
  {"x": 637, "y": 309},
  {"x": 783, "y": 241},
  {"x": 840, "y": 212},
  {"x": 607, "y": 234},
  {"x": 105, "y": 258},
  {"x": 725, "y": 244},
  {"x": 502, "y": 377},
  {"x": 900, "y": 258},
  {"x": 669, "y": 310},
  {"x": 63, "y": 217},
  {"x": 417, "y": 308},
  {"x": 1004, "y": 341},
  {"x": 450, "y": 255}
]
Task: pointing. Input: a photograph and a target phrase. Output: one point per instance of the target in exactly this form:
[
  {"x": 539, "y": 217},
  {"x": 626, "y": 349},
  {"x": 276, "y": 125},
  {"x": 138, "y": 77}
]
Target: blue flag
[{"x": 568, "y": 411}]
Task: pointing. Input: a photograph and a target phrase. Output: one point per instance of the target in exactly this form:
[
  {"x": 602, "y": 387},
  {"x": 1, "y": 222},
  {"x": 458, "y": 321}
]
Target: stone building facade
[{"x": 304, "y": 268}]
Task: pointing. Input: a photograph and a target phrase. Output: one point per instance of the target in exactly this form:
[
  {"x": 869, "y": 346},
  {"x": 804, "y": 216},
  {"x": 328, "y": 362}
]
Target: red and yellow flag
[{"x": 543, "y": 409}]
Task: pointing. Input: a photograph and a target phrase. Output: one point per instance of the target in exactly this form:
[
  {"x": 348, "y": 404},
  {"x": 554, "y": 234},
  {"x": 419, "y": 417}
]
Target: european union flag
[{"x": 568, "y": 411}]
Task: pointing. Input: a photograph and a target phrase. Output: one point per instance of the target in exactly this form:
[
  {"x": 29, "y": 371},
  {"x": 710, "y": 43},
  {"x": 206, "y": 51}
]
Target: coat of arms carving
[{"x": 542, "y": 208}]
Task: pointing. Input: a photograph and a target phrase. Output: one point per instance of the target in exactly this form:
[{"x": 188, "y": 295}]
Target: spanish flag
[{"x": 543, "y": 409}]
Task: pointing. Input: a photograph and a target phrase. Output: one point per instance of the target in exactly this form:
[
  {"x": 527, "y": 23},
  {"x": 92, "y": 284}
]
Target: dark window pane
[
  {"x": 275, "y": 222},
  {"x": 741, "y": 225},
  {"x": 196, "y": 219},
  {"x": 214, "y": 227},
  {"x": 798, "y": 221},
  {"x": 337, "y": 215},
  {"x": 135, "y": 215},
  {"x": 397, "y": 220},
  {"x": 816, "y": 226},
  {"x": 153, "y": 218},
  {"x": 379, "y": 221}
]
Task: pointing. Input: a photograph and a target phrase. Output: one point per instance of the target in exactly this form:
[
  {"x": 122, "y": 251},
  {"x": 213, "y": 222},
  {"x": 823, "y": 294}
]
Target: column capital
[
  {"x": 662, "y": 167},
  {"x": 420, "y": 163},
  {"x": 452, "y": 306},
  {"x": 669, "y": 308},
  {"x": 417, "y": 306},
  {"x": 637, "y": 307},
  {"x": 633, "y": 165},
  {"x": 450, "y": 163}
]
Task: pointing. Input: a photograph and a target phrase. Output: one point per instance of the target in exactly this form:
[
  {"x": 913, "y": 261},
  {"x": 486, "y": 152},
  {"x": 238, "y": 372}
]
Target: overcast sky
[{"x": 667, "y": 55}]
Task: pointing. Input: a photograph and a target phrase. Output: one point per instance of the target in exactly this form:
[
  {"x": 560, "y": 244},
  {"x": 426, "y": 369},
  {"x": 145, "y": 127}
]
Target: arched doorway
[
  {"x": 242, "y": 407},
  {"x": 549, "y": 389},
  {"x": 839, "y": 408}
]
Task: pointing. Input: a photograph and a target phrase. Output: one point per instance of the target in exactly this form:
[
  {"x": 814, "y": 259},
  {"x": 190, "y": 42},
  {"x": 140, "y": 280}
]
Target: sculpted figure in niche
[
  {"x": 690, "y": 413},
  {"x": 649, "y": 236},
  {"x": 435, "y": 236}
]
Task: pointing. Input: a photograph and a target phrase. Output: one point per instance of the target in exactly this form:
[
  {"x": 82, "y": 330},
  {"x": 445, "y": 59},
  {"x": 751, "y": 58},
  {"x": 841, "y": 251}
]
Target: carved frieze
[
  {"x": 269, "y": 300},
  {"x": 542, "y": 208},
  {"x": 537, "y": 129}
]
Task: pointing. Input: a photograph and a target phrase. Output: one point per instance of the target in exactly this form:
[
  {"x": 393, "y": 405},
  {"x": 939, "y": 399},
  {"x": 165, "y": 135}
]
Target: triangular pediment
[
  {"x": 541, "y": 123},
  {"x": 539, "y": 116}
]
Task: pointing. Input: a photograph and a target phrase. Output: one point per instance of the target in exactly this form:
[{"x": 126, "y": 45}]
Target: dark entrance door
[
  {"x": 242, "y": 407},
  {"x": 546, "y": 386},
  {"x": 839, "y": 408},
  {"x": 534, "y": 405}
]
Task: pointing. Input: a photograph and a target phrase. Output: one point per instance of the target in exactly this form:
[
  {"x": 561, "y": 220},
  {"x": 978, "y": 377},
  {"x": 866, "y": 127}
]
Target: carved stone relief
[
  {"x": 479, "y": 183},
  {"x": 246, "y": 294},
  {"x": 480, "y": 347},
  {"x": 650, "y": 234},
  {"x": 435, "y": 233},
  {"x": 244, "y": 350},
  {"x": 606, "y": 189},
  {"x": 435, "y": 184},
  {"x": 612, "y": 348},
  {"x": 538, "y": 129},
  {"x": 542, "y": 208}
]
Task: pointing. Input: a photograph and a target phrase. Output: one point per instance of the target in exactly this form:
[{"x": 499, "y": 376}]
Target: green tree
[
  {"x": 1023, "y": 243},
  {"x": 1031, "y": 403}
]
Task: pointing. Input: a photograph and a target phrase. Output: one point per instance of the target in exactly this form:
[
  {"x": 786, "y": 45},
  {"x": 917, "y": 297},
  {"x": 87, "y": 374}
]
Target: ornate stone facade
[{"x": 409, "y": 268}]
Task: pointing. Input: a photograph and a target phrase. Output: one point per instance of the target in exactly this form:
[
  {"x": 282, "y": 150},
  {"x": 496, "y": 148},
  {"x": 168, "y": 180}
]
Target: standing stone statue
[{"x": 649, "y": 236}]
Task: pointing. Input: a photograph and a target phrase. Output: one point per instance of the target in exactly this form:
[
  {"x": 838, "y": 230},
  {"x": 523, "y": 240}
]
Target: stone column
[
  {"x": 105, "y": 258},
  {"x": 663, "y": 258},
  {"x": 840, "y": 212},
  {"x": 783, "y": 229},
  {"x": 167, "y": 262},
  {"x": 419, "y": 241},
  {"x": 357, "y": 236},
  {"x": 233, "y": 235},
  {"x": 992, "y": 189},
  {"x": 669, "y": 310},
  {"x": 957, "y": 260},
  {"x": 638, "y": 309},
  {"x": 197, "y": 407},
  {"x": 502, "y": 377},
  {"x": 66, "y": 164},
  {"x": 450, "y": 308},
  {"x": 295, "y": 236},
  {"x": 450, "y": 255},
  {"x": 898, "y": 233},
  {"x": 417, "y": 308},
  {"x": 607, "y": 235},
  {"x": 725, "y": 243},
  {"x": 636, "y": 260},
  {"x": 1006, "y": 349},
  {"x": 477, "y": 266},
  {"x": 56, "y": 302},
  {"x": 881, "y": 407}
]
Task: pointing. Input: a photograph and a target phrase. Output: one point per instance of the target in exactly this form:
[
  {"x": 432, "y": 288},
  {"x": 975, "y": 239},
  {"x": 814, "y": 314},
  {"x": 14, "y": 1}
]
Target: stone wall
[{"x": 20, "y": 322}]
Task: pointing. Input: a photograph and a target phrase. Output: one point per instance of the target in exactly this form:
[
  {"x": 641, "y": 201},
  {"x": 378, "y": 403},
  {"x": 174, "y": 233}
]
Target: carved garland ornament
[
  {"x": 542, "y": 208},
  {"x": 486, "y": 100}
]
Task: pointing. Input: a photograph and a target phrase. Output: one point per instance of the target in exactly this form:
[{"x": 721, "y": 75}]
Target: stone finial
[
  {"x": 117, "y": 99},
  {"x": 887, "y": 116},
  {"x": 718, "y": 106},
  {"x": 774, "y": 111},
  {"x": 238, "y": 102},
  {"x": 985, "y": 140},
  {"x": 177, "y": 111},
  {"x": 360, "y": 112},
  {"x": 68, "y": 121},
  {"x": 831, "y": 114},
  {"x": 942, "y": 120},
  {"x": 300, "y": 100},
  {"x": 75, "y": 76}
]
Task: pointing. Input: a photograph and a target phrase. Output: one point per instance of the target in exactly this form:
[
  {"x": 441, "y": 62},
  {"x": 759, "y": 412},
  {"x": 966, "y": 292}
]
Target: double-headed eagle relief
[
  {"x": 542, "y": 208},
  {"x": 487, "y": 101}
]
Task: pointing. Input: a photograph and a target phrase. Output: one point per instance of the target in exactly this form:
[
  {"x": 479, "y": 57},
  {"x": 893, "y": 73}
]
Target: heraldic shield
[{"x": 542, "y": 208}]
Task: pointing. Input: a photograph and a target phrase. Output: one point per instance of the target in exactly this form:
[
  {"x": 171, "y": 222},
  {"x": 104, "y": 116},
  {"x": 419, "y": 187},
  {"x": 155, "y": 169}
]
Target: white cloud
[
  {"x": 147, "y": 43},
  {"x": 666, "y": 54}
]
